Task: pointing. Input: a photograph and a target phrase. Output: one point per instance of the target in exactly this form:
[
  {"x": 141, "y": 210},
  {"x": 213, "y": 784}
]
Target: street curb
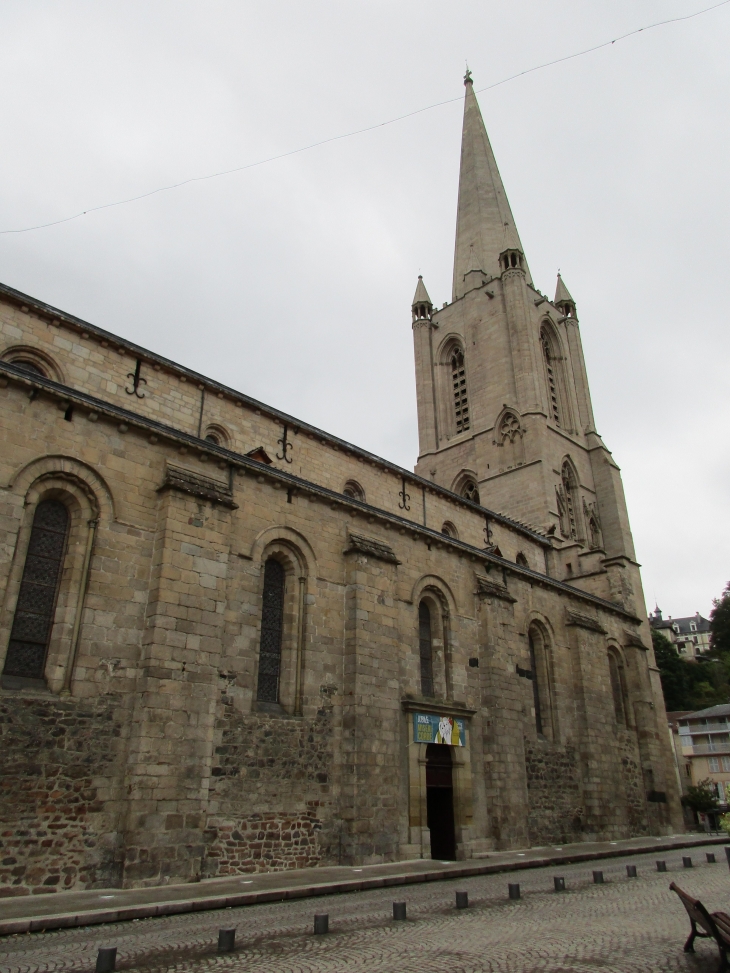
[{"x": 61, "y": 920}]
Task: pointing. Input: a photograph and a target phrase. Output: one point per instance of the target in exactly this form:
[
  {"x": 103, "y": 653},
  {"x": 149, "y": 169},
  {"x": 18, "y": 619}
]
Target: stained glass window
[{"x": 36, "y": 605}]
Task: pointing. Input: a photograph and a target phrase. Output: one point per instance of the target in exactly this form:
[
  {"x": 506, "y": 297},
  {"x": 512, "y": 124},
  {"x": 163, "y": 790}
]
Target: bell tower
[{"x": 504, "y": 408}]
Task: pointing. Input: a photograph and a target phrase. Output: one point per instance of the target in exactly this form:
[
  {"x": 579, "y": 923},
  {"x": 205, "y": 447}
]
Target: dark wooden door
[{"x": 440, "y": 801}]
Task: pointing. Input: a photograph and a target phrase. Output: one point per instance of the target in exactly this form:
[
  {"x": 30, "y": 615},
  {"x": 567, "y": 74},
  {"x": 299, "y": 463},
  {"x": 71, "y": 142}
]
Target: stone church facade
[{"x": 231, "y": 642}]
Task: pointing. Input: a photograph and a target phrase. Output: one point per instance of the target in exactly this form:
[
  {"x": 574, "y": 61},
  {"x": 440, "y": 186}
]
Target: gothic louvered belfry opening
[
  {"x": 458, "y": 379},
  {"x": 36, "y": 605},
  {"x": 425, "y": 649},
  {"x": 272, "y": 624},
  {"x": 551, "y": 379}
]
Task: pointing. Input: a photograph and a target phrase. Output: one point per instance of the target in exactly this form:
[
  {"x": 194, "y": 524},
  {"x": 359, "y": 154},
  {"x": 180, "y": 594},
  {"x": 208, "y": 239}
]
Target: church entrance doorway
[{"x": 440, "y": 801}]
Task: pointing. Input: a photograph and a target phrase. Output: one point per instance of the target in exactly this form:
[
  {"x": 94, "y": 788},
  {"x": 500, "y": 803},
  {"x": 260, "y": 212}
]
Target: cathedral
[{"x": 231, "y": 642}]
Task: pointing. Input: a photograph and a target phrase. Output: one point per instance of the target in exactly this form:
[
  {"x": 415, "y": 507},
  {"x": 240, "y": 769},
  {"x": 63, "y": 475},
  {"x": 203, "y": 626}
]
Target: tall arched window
[
  {"x": 272, "y": 624},
  {"x": 35, "y": 610},
  {"x": 425, "y": 648},
  {"x": 618, "y": 687},
  {"x": 569, "y": 483},
  {"x": 535, "y": 684},
  {"x": 551, "y": 366},
  {"x": 541, "y": 681},
  {"x": 458, "y": 385}
]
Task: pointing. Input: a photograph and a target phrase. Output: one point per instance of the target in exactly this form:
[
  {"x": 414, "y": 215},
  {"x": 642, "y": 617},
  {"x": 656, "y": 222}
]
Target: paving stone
[{"x": 623, "y": 925}]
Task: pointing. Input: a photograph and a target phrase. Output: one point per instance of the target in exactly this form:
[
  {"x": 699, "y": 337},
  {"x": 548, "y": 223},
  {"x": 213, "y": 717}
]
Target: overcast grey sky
[{"x": 292, "y": 281}]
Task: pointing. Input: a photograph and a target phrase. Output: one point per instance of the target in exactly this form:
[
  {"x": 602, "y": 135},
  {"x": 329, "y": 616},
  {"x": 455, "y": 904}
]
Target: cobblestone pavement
[{"x": 625, "y": 924}]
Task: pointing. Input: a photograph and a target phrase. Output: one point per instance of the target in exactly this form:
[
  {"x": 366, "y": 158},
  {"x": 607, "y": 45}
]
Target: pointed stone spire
[
  {"x": 485, "y": 227},
  {"x": 562, "y": 294},
  {"x": 563, "y": 300},
  {"x": 421, "y": 306},
  {"x": 421, "y": 295}
]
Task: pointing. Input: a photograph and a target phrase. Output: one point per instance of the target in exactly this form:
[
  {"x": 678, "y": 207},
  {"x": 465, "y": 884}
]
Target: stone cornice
[
  {"x": 360, "y": 544},
  {"x": 632, "y": 638},
  {"x": 583, "y": 621},
  {"x": 197, "y": 485},
  {"x": 442, "y": 707},
  {"x": 488, "y": 588}
]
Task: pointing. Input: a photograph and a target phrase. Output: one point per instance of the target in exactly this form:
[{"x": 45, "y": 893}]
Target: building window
[
  {"x": 35, "y": 610},
  {"x": 448, "y": 530},
  {"x": 458, "y": 385},
  {"x": 541, "y": 681},
  {"x": 692, "y": 627},
  {"x": 535, "y": 686},
  {"x": 552, "y": 380},
  {"x": 28, "y": 366},
  {"x": 714, "y": 765},
  {"x": 470, "y": 491},
  {"x": 272, "y": 624},
  {"x": 726, "y": 765},
  {"x": 521, "y": 560},
  {"x": 618, "y": 691},
  {"x": 353, "y": 490},
  {"x": 217, "y": 435},
  {"x": 425, "y": 649}
]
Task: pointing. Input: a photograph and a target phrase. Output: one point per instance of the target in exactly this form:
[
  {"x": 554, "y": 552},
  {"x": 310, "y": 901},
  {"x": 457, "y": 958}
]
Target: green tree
[
  {"x": 701, "y": 796},
  {"x": 720, "y": 624},
  {"x": 690, "y": 685},
  {"x": 672, "y": 671}
]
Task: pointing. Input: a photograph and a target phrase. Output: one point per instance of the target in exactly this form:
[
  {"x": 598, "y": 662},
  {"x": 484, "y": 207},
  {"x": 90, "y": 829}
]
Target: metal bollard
[
  {"x": 226, "y": 940},
  {"x": 710, "y": 858},
  {"x": 661, "y": 866},
  {"x": 514, "y": 890},
  {"x": 687, "y": 862},
  {"x": 321, "y": 923},
  {"x": 598, "y": 878},
  {"x": 106, "y": 959},
  {"x": 559, "y": 884},
  {"x": 399, "y": 911},
  {"x": 631, "y": 871},
  {"x": 462, "y": 900}
]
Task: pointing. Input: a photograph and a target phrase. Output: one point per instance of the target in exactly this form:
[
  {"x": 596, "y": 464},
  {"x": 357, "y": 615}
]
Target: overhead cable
[{"x": 369, "y": 128}]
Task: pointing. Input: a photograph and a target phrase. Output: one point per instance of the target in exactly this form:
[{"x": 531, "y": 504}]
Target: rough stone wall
[
  {"x": 59, "y": 759},
  {"x": 276, "y": 770},
  {"x": 633, "y": 788},
  {"x": 556, "y": 813}
]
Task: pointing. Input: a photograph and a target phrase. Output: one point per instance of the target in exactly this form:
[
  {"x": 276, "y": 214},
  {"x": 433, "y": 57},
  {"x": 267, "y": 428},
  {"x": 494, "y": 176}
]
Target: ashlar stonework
[{"x": 258, "y": 646}]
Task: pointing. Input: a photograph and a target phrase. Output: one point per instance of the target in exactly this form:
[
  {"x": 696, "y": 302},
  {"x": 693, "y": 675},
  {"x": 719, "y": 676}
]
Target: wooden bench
[{"x": 716, "y": 926}]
